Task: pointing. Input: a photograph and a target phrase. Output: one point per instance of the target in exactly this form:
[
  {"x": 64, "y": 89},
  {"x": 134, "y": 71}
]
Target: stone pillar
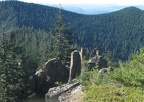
[{"x": 75, "y": 66}]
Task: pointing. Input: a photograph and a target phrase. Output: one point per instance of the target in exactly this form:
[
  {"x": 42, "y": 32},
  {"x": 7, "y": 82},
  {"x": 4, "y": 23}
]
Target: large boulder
[
  {"x": 63, "y": 93},
  {"x": 40, "y": 80},
  {"x": 54, "y": 71},
  {"x": 57, "y": 71},
  {"x": 75, "y": 66}
]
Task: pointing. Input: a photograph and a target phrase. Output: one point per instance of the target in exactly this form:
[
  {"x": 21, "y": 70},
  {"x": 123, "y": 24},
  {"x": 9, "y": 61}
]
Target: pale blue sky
[{"x": 88, "y": 2}]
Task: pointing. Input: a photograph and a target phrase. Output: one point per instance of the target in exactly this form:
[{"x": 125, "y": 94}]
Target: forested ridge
[
  {"x": 32, "y": 34},
  {"x": 120, "y": 32}
]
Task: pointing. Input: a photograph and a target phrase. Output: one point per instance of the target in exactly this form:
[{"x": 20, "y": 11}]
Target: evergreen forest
[
  {"x": 120, "y": 32},
  {"x": 31, "y": 34}
]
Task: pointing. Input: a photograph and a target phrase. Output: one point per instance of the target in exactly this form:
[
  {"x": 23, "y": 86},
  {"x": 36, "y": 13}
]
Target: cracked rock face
[
  {"x": 53, "y": 71},
  {"x": 73, "y": 95},
  {"x": 65, "y": 93}
]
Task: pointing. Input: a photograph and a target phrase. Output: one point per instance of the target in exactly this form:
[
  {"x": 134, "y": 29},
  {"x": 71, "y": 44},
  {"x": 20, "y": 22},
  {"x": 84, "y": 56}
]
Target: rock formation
[
  {"x": 40, "y": 80},
  {"x": 54, "y": 71},
  {"x": 57, "y": 71},
  {"x": 57, "y": 94},
  {"x": 75, "y": 66},
  {"x": 62, "y": 93},
  {"x": 97, "y": 59}
]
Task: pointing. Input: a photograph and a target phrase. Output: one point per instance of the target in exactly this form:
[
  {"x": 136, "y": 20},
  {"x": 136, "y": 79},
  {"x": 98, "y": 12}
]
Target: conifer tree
[
  {"x": 61, "y": 38},
  {"x": 14, "y": 75}
]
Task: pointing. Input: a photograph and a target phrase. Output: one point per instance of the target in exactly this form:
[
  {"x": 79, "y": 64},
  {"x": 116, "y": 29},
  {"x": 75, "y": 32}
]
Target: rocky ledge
[{"x": 65, "y": 93}]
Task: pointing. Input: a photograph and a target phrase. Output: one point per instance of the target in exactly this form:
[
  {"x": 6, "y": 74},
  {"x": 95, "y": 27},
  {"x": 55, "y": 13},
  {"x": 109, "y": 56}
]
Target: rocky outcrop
[
  {"x": 75, "y": 66},
  {"x": 62, "y": 93},
  {"x": 73, "y": 95},
  {"x": 54, "y": 71},
  {"x": 97, "y": 59},
  {"x": 57, "y": 71}
]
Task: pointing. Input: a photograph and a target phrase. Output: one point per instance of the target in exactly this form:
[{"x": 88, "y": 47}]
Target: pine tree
[
  {"x": 61, "y": 38},
  {"x": 13, "y": 72}
]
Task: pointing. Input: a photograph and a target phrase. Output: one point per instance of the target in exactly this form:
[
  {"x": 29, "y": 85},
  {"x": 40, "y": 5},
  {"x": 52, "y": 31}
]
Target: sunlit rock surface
[{"x": 65, "y": 93}]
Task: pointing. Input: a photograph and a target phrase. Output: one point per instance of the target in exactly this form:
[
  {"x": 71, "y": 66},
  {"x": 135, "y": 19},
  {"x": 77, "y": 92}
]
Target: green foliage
[
  {"x": 61, "y": 38},
  {"x": 15, "y": 71},
  {"x": 110, "y": 32},
  {"x": 109, "y": 57},
  {"x": 93, "y": 78},
  {"x": 35, "y": 43},
  {"x": 131, "y": 73},
  {"x": 106, "y": 93},
  {"x": 123, "y": 84},
  {"x": 10, "y": 70},
  {"x": 33, "y": 47}
]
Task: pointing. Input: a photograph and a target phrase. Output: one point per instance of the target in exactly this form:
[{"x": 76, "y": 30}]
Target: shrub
[{"x": 107, "y": 93}]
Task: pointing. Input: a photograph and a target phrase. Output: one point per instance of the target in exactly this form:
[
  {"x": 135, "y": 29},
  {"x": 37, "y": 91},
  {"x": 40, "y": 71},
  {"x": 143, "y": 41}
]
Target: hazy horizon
[{"x": 89, "y": 8}]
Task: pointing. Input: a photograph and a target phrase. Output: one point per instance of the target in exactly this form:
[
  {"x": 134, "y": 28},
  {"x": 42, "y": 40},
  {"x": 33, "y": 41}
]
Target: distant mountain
[
  {"x": 94, "y": 9},
  {"x": 74, "y": 9},
  {"x": 91, "y": 9},
  {"x": 120, "y": 32},
  {"x": 82, "y": 11},
  {"x": 88, "y": 9}
]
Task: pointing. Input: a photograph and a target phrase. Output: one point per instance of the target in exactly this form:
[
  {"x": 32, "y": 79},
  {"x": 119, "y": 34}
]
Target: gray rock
[
  {"x": 54, "y": 94},
  {"x": 75, "y": 66},
  {"x": 54, "y": 71},
  {"x": 57, "y": 71},
  {"x": 74, "y": 94}
]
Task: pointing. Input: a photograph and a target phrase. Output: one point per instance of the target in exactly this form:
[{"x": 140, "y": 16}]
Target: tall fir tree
[
  {"x": 14, "y": 73},
  {"x": 62, "y": 43}
]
